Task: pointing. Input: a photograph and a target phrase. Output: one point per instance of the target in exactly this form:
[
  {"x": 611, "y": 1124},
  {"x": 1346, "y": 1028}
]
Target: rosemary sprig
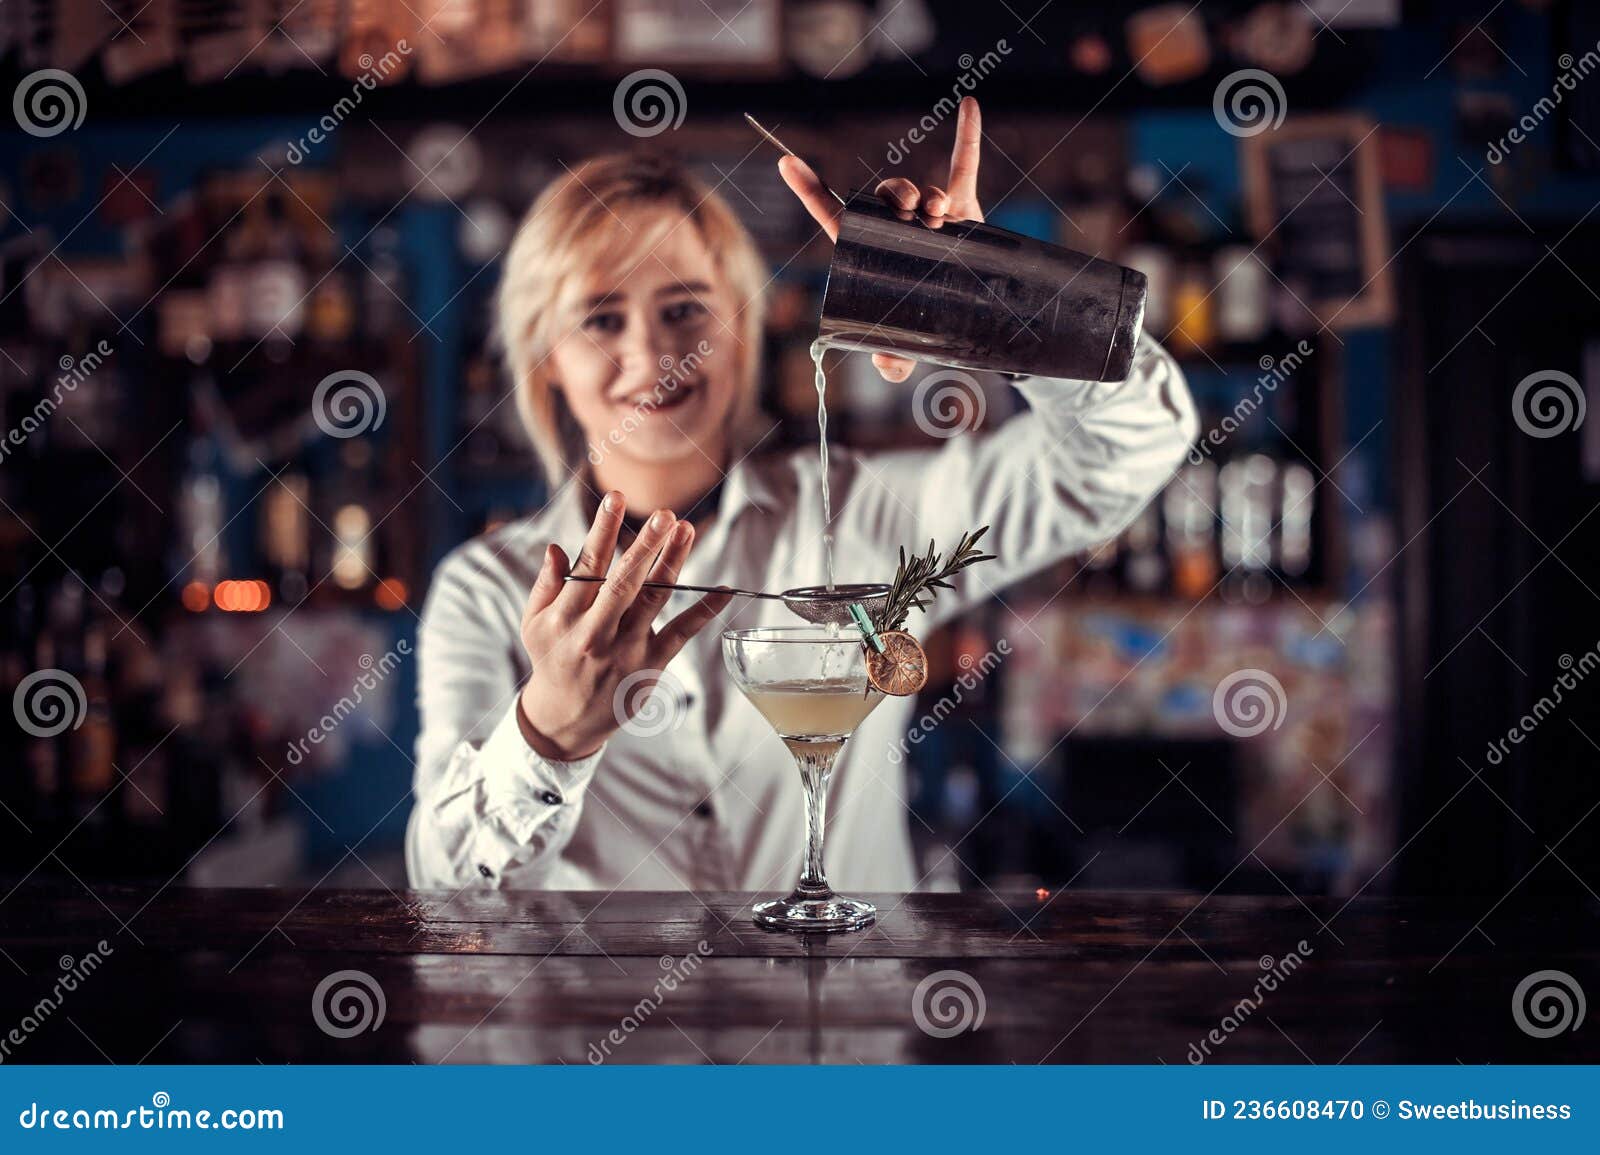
[{"x": 919, "y": 579}]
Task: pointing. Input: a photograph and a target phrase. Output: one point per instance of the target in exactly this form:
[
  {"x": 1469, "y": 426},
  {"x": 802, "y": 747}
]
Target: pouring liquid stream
[{"x": 818, "y": 347}]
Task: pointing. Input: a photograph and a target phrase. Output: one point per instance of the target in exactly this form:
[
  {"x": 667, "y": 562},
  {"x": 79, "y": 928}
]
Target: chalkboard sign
[{"x": 1315, "y": 198}]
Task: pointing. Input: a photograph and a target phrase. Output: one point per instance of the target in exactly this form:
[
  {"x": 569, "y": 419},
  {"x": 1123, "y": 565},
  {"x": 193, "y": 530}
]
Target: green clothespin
[{"x": 864, "y": 623}]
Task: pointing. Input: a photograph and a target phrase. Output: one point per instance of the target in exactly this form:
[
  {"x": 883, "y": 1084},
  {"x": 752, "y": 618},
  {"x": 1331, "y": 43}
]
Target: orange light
[
  {"x": 1041, "y": 894},
  {"x": 248, "y": 597},
  {"x": 390, "y": 594},
  {"x": 196, "y": 597}
]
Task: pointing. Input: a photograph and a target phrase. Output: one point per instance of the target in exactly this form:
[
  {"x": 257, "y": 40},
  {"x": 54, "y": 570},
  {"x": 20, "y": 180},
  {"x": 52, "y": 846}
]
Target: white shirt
[{"x": 713, "y": 800}]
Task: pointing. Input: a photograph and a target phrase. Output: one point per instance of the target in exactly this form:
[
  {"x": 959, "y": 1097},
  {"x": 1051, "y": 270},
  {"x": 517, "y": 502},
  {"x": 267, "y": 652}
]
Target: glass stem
[{"x": 816, "y": 765}]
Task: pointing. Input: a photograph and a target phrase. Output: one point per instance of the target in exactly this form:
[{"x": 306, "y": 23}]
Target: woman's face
[{"x": 647, "y": 358}]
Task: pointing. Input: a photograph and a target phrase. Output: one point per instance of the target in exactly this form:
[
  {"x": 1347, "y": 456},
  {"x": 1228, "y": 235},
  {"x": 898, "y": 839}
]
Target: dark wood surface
[{"x": 229, "y": 976}]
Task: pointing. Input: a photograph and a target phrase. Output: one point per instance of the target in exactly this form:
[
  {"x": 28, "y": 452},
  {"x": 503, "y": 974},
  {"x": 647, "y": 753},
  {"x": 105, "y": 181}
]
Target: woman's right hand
[{"x": 584, "y": 638}]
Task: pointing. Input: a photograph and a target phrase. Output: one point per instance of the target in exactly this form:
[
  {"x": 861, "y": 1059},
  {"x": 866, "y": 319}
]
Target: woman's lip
[{"x": 662, "y": 399}]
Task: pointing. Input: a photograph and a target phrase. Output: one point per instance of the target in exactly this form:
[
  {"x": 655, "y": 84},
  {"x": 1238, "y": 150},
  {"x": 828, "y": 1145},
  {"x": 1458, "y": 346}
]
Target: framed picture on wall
[{"x": 1314, "y": 198}]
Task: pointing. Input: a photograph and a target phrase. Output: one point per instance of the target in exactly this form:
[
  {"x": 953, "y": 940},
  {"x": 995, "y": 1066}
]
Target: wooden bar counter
[{"x": 546, "y": 977}]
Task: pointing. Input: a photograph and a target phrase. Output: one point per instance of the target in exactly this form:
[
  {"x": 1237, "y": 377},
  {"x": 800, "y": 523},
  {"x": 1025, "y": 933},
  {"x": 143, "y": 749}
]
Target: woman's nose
[{"x": 642, "y": 348}]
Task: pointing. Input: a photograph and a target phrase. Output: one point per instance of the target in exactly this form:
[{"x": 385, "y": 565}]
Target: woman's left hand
[{"x": 957, "y": 202}]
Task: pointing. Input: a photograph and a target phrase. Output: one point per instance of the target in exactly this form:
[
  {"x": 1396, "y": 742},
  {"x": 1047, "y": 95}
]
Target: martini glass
[{"x": 810, "y": 684}]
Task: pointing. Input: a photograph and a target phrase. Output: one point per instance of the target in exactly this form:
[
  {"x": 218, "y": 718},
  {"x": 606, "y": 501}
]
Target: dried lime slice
[{"x": 901, "y": 667}]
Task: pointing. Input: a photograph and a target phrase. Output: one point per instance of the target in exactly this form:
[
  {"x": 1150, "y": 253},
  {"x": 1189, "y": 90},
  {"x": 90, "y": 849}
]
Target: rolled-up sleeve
[
  {"x": 1070, "y": 472},
  {"x": 485, "y": 802}
]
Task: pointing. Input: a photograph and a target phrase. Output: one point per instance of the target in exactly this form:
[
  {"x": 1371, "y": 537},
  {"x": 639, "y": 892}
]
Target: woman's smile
[{"x": 664, "y": 396}]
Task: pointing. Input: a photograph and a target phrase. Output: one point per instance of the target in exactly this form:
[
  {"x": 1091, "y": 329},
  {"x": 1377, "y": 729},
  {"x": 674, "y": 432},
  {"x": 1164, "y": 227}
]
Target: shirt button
[
  {"x": 704, "y": 810},
  {"x": 549, "y": 798},
  {"x": 485, "y": 871}
]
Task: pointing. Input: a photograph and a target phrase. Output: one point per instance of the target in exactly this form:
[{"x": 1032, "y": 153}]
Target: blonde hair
[{"x": 572, "y": 226}]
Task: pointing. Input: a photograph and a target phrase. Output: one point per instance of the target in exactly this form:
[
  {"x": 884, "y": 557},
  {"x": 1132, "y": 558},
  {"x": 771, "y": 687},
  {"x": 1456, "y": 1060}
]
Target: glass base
[{"x": 825, "y": 912}]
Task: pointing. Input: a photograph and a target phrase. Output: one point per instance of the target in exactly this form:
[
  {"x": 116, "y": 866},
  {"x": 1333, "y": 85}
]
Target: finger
[
  {"x": 675, "y": 634},
  {"x": 935, "y": 201},
  {"x": 649, "y": 602},
  {"x": 892, "y": 368},
  {"x": 900, "y": 192},
  {"x": 819, "y": 202},
  {"x": 622, "y": 584},
  {"x": 594, "y": 559},
  {"x": 547, "y": 587},
  {"x": 964, "y": 162}
]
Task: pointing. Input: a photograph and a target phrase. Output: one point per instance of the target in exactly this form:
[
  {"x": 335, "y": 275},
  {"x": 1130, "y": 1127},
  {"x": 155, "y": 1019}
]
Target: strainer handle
[{"x": 692, "y": 589}]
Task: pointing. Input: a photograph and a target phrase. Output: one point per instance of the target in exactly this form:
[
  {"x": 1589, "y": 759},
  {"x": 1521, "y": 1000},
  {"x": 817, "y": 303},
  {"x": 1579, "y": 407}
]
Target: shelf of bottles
[{"x": 241, "y": 450}]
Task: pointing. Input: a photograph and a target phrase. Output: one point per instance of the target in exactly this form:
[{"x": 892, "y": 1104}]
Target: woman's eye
[
  {"x": 684, "y": 312},
  {"x": 607, "y": 323}
]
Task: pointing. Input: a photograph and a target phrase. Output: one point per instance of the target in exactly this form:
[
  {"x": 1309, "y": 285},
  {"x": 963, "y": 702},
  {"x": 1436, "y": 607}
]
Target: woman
[{"x": 630, "y": 312}]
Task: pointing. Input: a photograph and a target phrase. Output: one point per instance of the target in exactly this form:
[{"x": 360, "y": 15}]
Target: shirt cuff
[{"x": 520, "y": 786}]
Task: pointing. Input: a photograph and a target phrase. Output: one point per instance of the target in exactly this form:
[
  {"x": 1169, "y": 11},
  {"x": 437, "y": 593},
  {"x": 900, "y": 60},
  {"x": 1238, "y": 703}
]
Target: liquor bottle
[
  {"x": 286, "y": 535},
  {"x": 1189, "y": 506},
  {"x": 1248, "y": 488},
  {"x": 1192, "y": 310},
  {"x": 354, "y": 557},
  {"x": 331, "y": 317},
  {"x": 199, "y": 555},
  {"x": 1144, "y": 570},
  {"x": 1294, "y": 521},
  {"x": 383, "y": 286},
  {"x": 94, "y": 745},
  {"x": 277, "y": 277}
]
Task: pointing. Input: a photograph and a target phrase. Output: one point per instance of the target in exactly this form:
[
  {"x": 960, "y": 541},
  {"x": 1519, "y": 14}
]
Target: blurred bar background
[{"x": 263, "y": 197}]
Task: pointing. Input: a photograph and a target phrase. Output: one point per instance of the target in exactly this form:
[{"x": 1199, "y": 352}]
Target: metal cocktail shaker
[{"x": 977, "y": 297}]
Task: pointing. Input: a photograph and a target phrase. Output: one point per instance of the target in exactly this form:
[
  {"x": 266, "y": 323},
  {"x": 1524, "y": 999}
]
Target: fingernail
[
  {"x": 683, "y": 533},
  {"x": 660, "y": 519},
  {"x": 614, "y": 502}
]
